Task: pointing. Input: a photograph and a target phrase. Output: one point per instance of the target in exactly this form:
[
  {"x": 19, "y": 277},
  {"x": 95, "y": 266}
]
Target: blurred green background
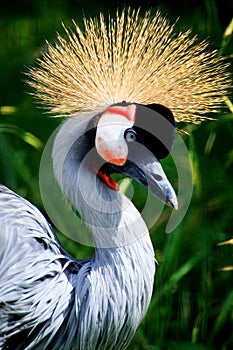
[{"x": 192, "y": 305}]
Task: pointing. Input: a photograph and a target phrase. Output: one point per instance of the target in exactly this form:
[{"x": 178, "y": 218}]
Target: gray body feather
[{"x": 48, "y": 300}]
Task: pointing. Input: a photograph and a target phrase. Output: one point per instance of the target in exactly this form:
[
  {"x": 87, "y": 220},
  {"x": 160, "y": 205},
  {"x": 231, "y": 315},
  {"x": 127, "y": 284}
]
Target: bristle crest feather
[{"x": 134, "y": 59}]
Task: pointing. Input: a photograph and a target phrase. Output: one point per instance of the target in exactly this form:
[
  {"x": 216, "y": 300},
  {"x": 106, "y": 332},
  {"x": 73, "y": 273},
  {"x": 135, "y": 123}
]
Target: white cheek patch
[{"x": 110, "y": 142}]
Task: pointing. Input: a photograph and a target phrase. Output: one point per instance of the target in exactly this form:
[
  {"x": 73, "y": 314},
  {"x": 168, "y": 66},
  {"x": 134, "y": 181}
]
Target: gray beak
[
  {"x": 158, "y": 183},
  {"x": 144, "y": 167}
]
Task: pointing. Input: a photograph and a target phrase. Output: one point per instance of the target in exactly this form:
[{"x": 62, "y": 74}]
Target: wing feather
[{"x": 36, "y": 285}]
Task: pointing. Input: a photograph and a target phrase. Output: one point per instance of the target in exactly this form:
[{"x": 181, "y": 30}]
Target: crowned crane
[{"x": 119, "y": 83}]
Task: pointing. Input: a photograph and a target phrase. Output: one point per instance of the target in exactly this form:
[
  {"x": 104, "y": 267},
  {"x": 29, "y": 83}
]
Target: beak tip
[
  {"x": 171, "y": 201},
  {"x": 172, "y": 204}
]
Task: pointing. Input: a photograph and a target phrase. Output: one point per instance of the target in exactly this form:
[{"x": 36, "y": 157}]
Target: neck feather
[
  {"x": 112, "y": 218},
  {"x": 121, "y": 273}
]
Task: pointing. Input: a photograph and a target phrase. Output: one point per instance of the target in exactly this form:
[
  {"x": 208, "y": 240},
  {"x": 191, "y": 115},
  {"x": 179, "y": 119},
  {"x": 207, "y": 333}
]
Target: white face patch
[{"x": 110, "y": 142}]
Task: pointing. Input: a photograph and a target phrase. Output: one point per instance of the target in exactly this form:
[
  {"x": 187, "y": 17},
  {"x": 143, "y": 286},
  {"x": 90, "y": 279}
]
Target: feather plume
[{"x": 131, "y": 58}]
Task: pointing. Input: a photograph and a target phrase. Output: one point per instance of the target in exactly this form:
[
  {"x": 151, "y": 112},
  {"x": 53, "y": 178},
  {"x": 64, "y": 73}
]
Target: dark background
[{"x": 193, "y": 296}]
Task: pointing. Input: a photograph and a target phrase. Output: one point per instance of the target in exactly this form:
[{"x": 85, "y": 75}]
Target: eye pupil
[{"x": 130, "y": 135}]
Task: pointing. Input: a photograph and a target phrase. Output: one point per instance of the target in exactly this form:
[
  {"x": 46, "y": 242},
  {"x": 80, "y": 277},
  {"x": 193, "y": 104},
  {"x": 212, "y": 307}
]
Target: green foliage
[{"x": 192, "y": 305}]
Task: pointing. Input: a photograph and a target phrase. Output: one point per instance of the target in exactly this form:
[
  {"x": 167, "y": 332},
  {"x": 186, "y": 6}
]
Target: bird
[{"x": 121, "y": 84}]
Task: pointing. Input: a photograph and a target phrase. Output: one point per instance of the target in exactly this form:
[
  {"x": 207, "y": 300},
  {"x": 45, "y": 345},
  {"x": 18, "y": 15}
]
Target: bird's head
[
  {"x": 131, "y": 139},
  {"x": 135, "y": 57}
]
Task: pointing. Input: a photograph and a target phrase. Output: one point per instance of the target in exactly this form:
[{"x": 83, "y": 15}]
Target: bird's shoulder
[
  {"x": 26, "y": 234},
  {"x": 36, "y": 275}
]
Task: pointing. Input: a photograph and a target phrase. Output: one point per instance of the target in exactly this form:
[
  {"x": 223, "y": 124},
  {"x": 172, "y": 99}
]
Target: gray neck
[
  {"x": 122, "y": 275},
  {"x": 112, "y": 218}
]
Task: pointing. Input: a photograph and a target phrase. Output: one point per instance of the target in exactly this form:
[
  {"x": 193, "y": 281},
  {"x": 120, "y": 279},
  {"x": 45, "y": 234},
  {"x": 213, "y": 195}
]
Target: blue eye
[{"x": 130, "y": 135}]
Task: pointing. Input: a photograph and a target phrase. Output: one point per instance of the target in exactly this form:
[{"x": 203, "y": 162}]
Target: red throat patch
[{"x": 108, "y": 180}]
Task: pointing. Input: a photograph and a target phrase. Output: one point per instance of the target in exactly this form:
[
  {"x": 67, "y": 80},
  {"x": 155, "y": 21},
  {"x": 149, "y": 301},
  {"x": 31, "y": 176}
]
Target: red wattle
[{"x": 108, "y": 180}]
